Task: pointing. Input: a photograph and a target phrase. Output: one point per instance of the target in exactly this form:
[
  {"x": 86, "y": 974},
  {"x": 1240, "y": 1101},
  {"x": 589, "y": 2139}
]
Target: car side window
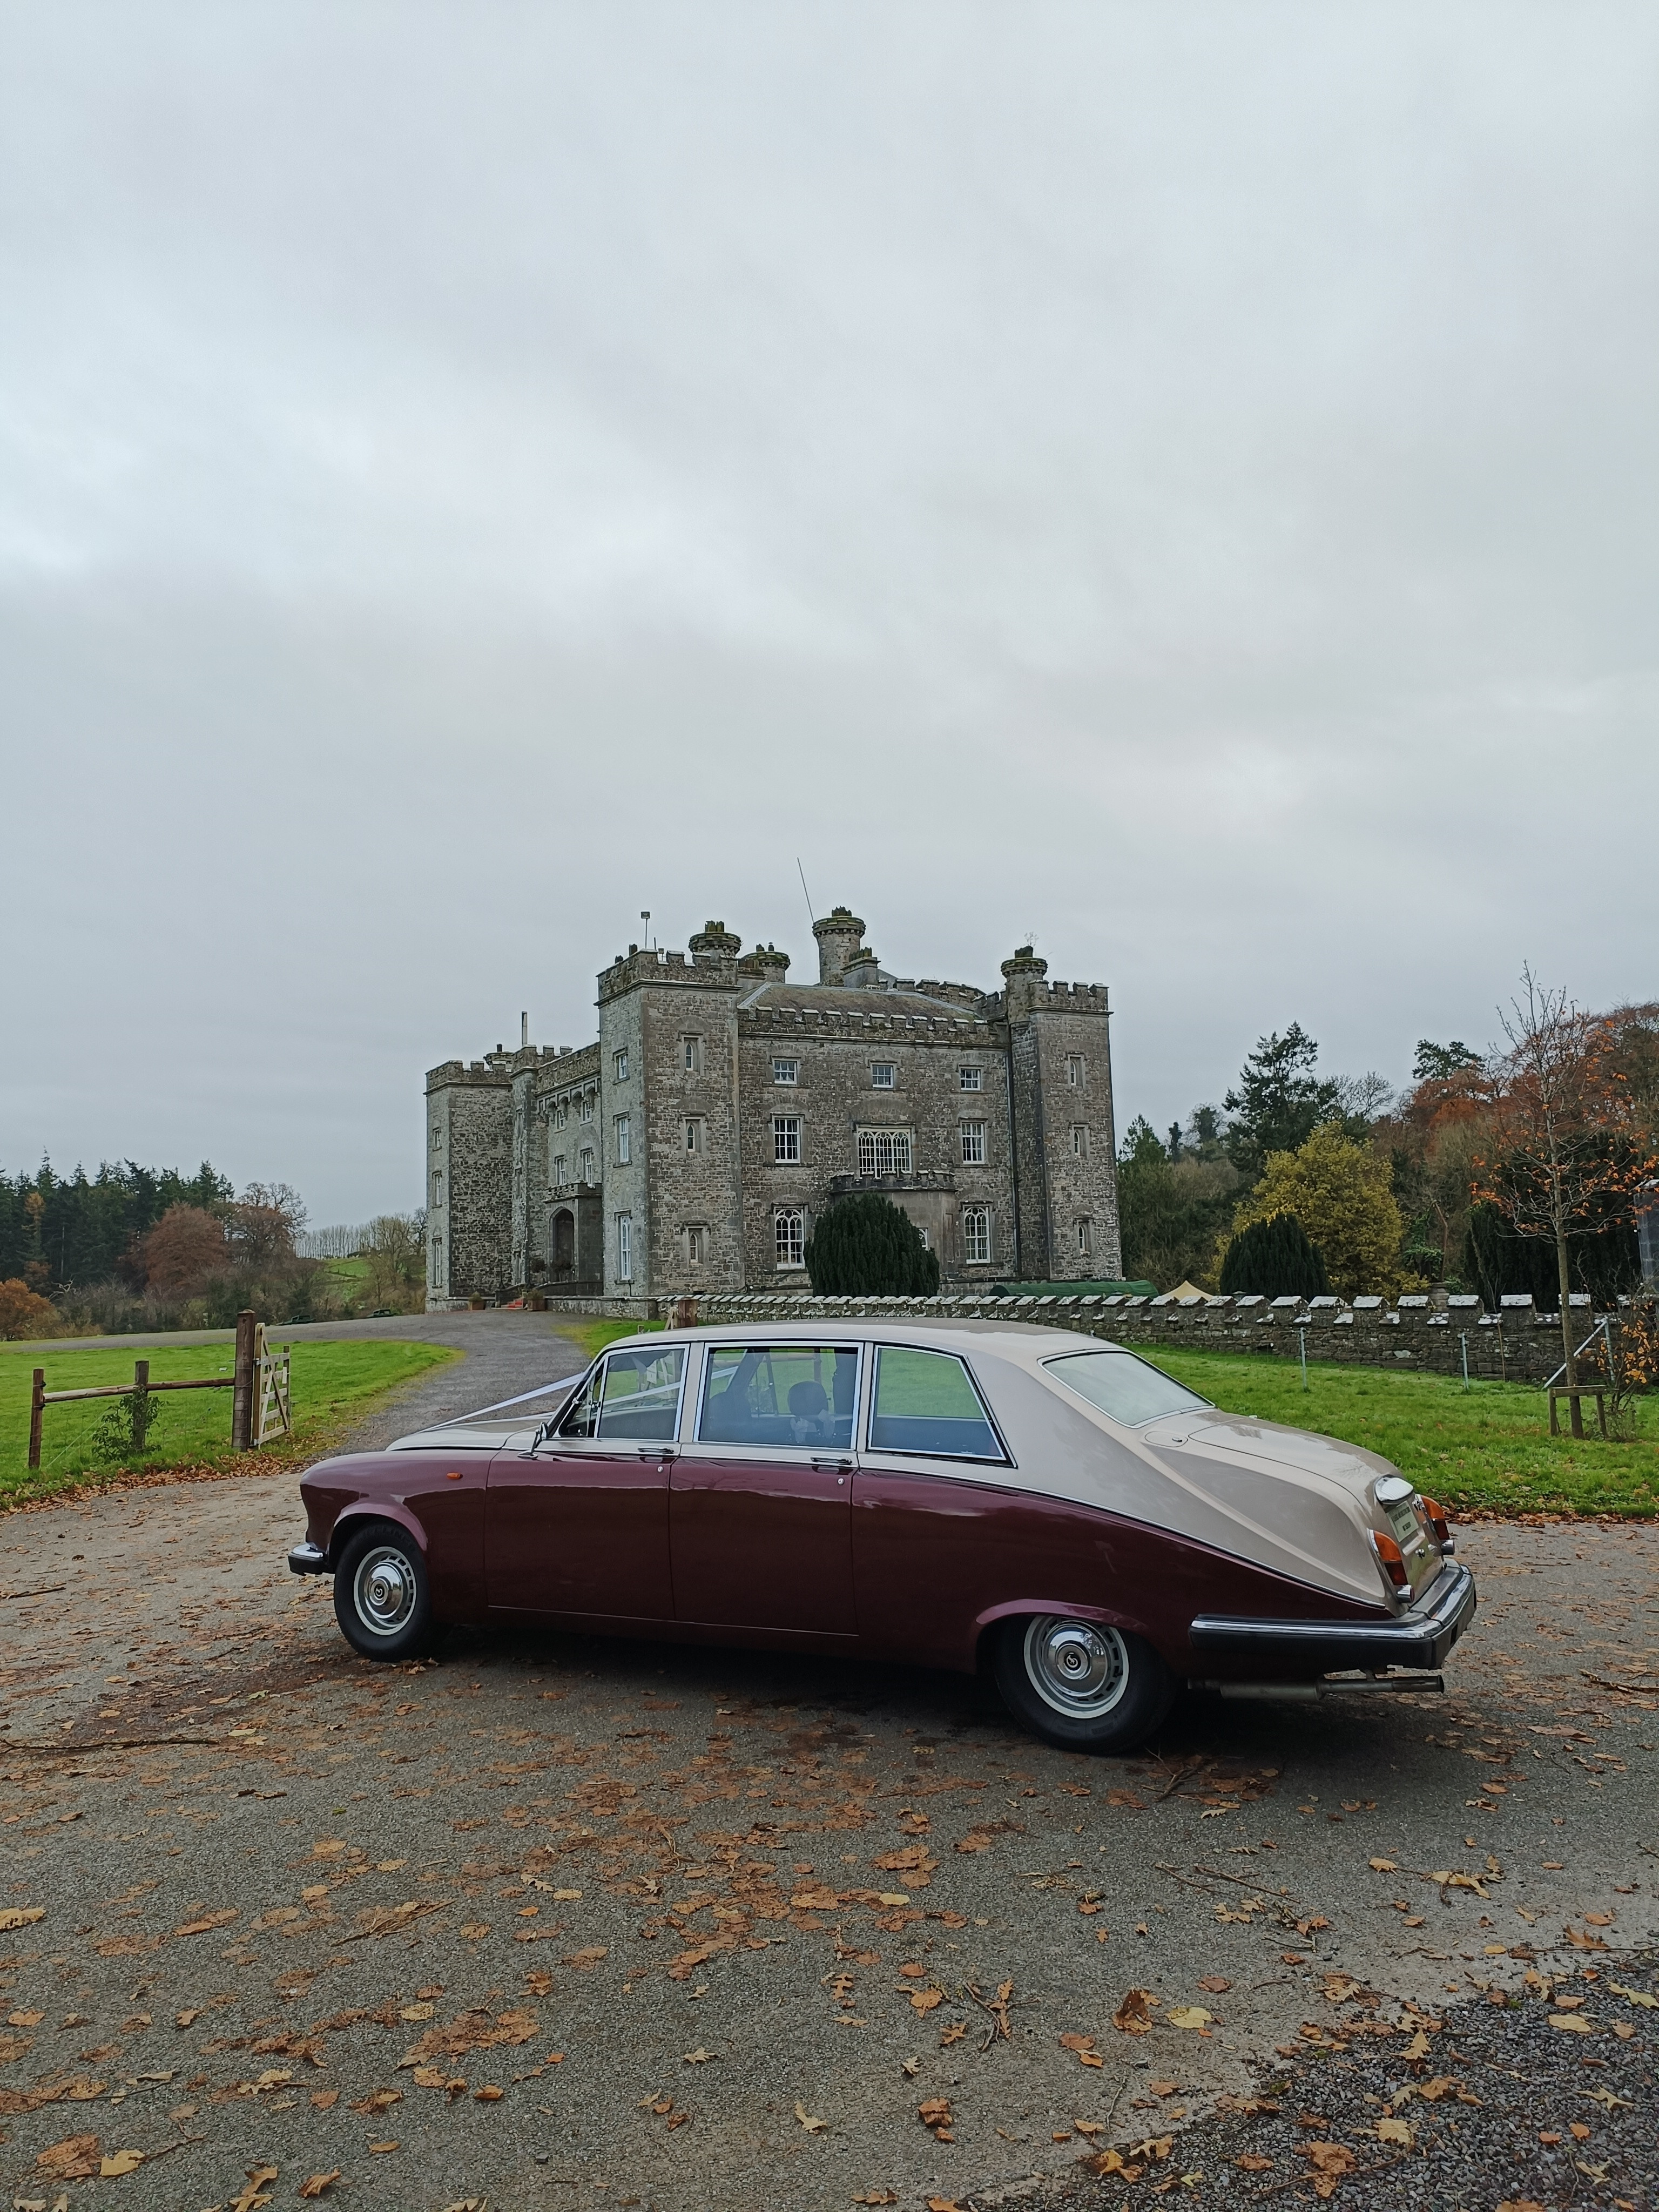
[
  {"x": 631, "y": 1393},
  {"x": 925, "y": 1402},
  {"x": 779, "y": 1394}
]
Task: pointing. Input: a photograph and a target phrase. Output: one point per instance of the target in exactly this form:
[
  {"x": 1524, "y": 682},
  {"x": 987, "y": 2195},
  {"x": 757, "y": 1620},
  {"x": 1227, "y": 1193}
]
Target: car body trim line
[{"x": 1427, "y": 1631}]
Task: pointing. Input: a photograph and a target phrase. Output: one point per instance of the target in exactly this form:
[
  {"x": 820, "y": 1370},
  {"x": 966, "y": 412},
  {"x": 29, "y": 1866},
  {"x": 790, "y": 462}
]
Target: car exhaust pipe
[{"x": 1310, "y": 1692}]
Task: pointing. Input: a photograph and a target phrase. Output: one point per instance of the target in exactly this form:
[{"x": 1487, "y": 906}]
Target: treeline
[
  {"x": 1484, "y": 1175},
  {"x": 135, "y": 1248}
]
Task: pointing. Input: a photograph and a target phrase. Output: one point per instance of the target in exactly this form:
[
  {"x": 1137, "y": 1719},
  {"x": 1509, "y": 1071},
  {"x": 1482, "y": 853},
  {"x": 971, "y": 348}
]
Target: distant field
[
  {"x": 1487, "y": 1447},
  {"x": 332, "y": 1383}
]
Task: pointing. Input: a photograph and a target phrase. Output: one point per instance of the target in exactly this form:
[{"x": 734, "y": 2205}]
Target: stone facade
[{"x": 690, "y": 1149}]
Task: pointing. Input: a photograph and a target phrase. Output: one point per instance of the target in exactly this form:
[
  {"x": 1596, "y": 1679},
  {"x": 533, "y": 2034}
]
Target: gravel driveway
[{"x": 578, "y": 1924}]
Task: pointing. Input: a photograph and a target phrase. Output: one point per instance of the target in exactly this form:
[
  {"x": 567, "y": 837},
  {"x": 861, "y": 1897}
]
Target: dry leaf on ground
[
  {"x": 76, "y": 2159},
  {"x": 1396, "y": 2131},
  {"x": 810, "y": 2121},
  {"x": 119, "y": 2162},
  {"x": 1193, "y": 2016},
  {"x": 1134, "y": 2015},
  {"x": 319, "y": 2184}
]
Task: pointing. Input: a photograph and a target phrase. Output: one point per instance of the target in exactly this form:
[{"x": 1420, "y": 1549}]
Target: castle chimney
[
  {"x": 524, "y": 1033},
  {"x": 841, "y": 937}
]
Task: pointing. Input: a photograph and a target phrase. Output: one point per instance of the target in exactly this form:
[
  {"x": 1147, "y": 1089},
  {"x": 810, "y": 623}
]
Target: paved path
[{"x": 722, "y": 1926}]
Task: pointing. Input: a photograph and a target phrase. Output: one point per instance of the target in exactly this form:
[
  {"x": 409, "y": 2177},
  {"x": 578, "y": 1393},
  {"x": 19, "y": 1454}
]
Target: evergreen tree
[
  {"x": 1273, "y": 1259},
  {"x": 1279, "y": 1101},
  {"x": 865, "y": 1246}
]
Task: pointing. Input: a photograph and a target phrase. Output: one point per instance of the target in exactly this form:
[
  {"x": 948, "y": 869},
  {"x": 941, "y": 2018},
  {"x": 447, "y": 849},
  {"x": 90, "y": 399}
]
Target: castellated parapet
[{"x": 689, "y": 1150}]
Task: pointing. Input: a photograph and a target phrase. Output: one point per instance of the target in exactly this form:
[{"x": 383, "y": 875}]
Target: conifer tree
[
  {"x": 1273, "y": 1259},
  {"x": 865, "y": 1246}
]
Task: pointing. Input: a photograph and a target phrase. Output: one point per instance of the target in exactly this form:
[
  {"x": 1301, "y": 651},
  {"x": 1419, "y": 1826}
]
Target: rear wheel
[
  {"x": 382, "y": 1598},
  {"x": 1080, "y": 1684}
]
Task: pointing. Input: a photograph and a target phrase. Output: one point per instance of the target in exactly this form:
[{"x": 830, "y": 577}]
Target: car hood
[{"x": 477, "y": 1435}]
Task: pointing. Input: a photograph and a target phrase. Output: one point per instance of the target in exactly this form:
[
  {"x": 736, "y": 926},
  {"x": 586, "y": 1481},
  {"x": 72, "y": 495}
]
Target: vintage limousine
[{"x": 974, "y": 1494}]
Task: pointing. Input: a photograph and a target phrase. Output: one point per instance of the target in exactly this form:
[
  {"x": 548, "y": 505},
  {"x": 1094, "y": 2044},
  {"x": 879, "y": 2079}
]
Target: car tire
[
  {"x": 382, "y": 1595},
  {"x": 1079, "y": 1684}
]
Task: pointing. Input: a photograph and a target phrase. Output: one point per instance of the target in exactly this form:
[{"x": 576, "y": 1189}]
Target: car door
[
  {"x": 938, "y": 1531},
  {"x": 760, "y": 1494},
  {"x": 578, "y": 1526}
]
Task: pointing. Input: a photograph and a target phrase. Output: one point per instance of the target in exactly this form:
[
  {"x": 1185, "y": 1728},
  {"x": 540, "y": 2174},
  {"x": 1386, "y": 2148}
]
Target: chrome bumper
[
  {"x": 307, "y": 1559},
  {"x": 1420, "y": 1637}
]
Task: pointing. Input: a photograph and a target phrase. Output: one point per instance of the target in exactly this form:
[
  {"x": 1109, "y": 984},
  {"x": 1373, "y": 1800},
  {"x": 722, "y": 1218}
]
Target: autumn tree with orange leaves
[{"x": 1570, "y": 1139}]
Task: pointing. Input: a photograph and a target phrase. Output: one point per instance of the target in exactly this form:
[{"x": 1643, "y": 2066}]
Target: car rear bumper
[
  {"x": 307, "y": 1559},
  {"x": 1420, "y": 1637}
]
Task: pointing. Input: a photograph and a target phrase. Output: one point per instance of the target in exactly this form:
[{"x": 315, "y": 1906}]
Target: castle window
[
  {"x": 619, "y": 1064},
  {"x": 883, "y": 1075},
  {"x": 785, "y": 1071},
  {"x": 625, "y": 1248},
  {"x": 560, "y": 1164},
  {"x": 883, "y": 1151},
  {"x": 585, "y": 1164},
  {"x": 1076, "y": 1069},
  {"x": 562, "y": 1114},
  {"x": 624, "y": 1139},
  {"x": 976, "y": 1235},
  {"x": 785, "y": 1137},
  {"x": 697, "y": 1244},
  {"x": 1083, "y": 1236},
  {"x": 970, "y": 1079},
  {"x": 437, "y": 1137},
  {"x": 693, "y": 1136},
  {"x": 691, "y": 1054},
  {"x": 437, "y": 1263},
  {"x": 437, "y": 1187},
  {"x": 791, "y": 1231},
  {"x": 973, "y": 1143},
  {"x": 1079, "y": 1141},
  {"x": 585, "y": 1106}
]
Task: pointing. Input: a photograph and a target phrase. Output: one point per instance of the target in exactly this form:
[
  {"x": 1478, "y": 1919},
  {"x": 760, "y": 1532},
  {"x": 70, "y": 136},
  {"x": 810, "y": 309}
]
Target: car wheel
[
  {"x": 382, "y": 1599},
  {"x": 1079, "y": 1684}
]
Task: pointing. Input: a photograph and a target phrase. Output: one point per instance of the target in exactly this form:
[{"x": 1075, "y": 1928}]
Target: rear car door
[
  {"x": 761, "y": 1490},
  {"x": 578, "y": 1526}
]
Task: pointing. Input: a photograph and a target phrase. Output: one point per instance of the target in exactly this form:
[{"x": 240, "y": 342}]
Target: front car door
[
  {"x": 761, "y": 1488},
  {"x": 578, "y": 1526}
]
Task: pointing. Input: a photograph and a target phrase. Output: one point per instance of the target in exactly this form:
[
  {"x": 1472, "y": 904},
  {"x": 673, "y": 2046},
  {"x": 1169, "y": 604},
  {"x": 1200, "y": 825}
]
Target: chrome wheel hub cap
[
  {"x": 1078, "y": 1668},
  {"x": 383, "y": 1591}
]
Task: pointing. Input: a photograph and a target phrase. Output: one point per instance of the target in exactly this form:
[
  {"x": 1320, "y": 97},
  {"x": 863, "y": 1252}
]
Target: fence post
[
  {"x": 140, "y": 1405},
  {"x": 241, "y": 1398},
  {"x": 37, "y": 1409}
]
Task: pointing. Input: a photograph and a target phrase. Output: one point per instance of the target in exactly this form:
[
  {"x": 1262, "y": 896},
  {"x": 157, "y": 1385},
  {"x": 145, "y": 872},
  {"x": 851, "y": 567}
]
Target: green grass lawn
[
  {"x": 593, "y": 1336},
  {"x": 1488, "y": 1447},
  {"x": 332, "y": 1383}
]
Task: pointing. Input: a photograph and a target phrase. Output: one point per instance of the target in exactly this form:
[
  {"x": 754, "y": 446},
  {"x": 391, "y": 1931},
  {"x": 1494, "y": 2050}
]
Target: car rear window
[
  {"x": 925, "y": 1402},
  {"x": 1127, "y": 1389},
  {"x": 634, "y": 1394},
  {"x": 779, "y": 1394}
]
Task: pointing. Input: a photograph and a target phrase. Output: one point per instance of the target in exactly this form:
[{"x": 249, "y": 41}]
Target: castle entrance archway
[{"x": 562, "y": 1245}]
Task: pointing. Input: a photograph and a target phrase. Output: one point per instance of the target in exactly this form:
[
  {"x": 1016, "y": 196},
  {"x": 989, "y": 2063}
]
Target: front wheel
[
  {"x": 1079, "y": 1684},
  {"x": 382, "y": 1598}
]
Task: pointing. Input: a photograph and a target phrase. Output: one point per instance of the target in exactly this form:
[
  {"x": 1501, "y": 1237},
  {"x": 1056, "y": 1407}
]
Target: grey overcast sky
[{"x": 1175, "y": 482}]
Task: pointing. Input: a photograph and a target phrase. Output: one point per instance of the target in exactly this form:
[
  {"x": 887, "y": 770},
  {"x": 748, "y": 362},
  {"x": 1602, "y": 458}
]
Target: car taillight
[
  {"x": 1388, "y": 1558},
  {"x": 1438, "y": 1519}
]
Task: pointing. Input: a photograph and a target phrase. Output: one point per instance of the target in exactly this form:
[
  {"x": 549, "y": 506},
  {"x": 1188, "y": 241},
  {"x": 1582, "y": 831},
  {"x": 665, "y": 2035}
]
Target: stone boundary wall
[{"x": 1518, "y": 1344}]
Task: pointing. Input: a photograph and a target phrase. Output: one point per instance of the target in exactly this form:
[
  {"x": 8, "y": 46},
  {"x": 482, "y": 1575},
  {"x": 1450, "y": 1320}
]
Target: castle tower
[
  {"x": 668, "y": 1069},
  {"x": 1065, "y": 1138},
  {"x": 840, "y": 939}
]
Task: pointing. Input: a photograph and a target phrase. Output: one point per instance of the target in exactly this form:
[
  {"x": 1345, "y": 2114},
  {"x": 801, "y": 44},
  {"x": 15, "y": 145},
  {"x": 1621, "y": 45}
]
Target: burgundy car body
[{"x": 1240, "y": 1550}]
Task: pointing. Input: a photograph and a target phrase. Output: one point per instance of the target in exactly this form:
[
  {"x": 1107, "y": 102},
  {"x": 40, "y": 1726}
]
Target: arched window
[
  {"x": 791, "y": 1229},
  {"x": 975, "y": 1235}
]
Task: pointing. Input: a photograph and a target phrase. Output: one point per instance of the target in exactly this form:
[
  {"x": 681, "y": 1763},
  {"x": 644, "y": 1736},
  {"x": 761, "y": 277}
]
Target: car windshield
[
  {"x": 1127, "y": 1389},
  {"x": 633, "y": 1393}
]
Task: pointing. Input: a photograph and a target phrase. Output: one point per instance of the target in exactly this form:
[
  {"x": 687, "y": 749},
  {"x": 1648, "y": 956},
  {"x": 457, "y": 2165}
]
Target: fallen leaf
[
  {"x": 257, "y": 2192},
  {"x": 697, "y": 2057},
  {"x": 810, "y": 2121},
  {"x": 417, "y": 2012},
  {"x": 1418, "y": 2047},
  {"x": 1385, "y": 1866},
  {"x": 24, "y": 2019},
  {"x": 1134, "y": 2015},
  {"x": 76, "y": 2159},
  {"x": 586, "y": 1958},
  {"x": 1574, "y": 2022},
  {"x": 1193, "y": 2016},
  {"x": 325, "y": 2099},
  {"x": 925, "y": 2000},
  {"x": 474, "y": 1929},
  {"x": 378, "y": 2102},
  {"x": 892, "y": 1897},
  {"x": 1217, "y": 1985},
  {"x": 119, "y": 2162},
  {"x": 1252, "y": 2162},
  {"x": 1395, "y": 2131},
  {"x": 1636, "y": 1997},
  {"x": 380, "y": 2149},
  {"x": 319, "y": 2184},
  {"x": 490, "y": 2094}
]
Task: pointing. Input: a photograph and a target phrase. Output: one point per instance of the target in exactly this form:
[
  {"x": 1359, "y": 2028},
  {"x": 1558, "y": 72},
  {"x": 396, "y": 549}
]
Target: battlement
[
  {"x": 635, "y": 969},
  {"x": 768, "y": 1019},
  {"x": 494, "y": 1072}
]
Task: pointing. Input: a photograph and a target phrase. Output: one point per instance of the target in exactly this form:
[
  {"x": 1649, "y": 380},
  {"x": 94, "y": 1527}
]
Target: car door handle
[
  {"x": 836, "y": 1465},
  {"x": 656, "y": 1451}
]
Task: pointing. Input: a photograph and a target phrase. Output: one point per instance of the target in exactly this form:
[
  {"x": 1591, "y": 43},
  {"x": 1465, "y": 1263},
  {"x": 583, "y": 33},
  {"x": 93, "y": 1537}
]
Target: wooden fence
[{"x": 260, "y": 1405}]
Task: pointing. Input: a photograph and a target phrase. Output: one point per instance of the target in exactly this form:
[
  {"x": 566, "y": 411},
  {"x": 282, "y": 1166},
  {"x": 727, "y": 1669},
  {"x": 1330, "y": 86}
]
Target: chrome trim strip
[
  {"x": 307, "y": 1559},
  {"x": 1420, "y": 1637}
]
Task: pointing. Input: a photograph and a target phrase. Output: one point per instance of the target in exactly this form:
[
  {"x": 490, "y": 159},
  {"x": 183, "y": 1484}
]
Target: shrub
[
  {"x": 122, "y": 1431},
  {"x": 24, "y": 1313},
  {"x": 865, "y": 1246},
  {"x": 1340, "y": 1192},
  {"x": 1273, "y": 1259}
]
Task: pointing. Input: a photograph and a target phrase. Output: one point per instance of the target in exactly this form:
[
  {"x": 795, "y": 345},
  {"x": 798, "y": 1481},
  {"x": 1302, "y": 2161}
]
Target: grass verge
[
  {"x": 332, "y": 1385},
  {"x": 1486, "y": 1448},
  {"x": 593, "y": 1336}
]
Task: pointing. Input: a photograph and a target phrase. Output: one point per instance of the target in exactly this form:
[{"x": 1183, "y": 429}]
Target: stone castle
[{"x": 689, "y": 1148}]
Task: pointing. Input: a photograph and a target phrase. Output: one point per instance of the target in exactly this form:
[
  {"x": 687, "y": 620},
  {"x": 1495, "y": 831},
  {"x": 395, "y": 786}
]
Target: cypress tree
[
  {"x": 1274, "y": 1259},
  {"x": 865, "y": 1246}
]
